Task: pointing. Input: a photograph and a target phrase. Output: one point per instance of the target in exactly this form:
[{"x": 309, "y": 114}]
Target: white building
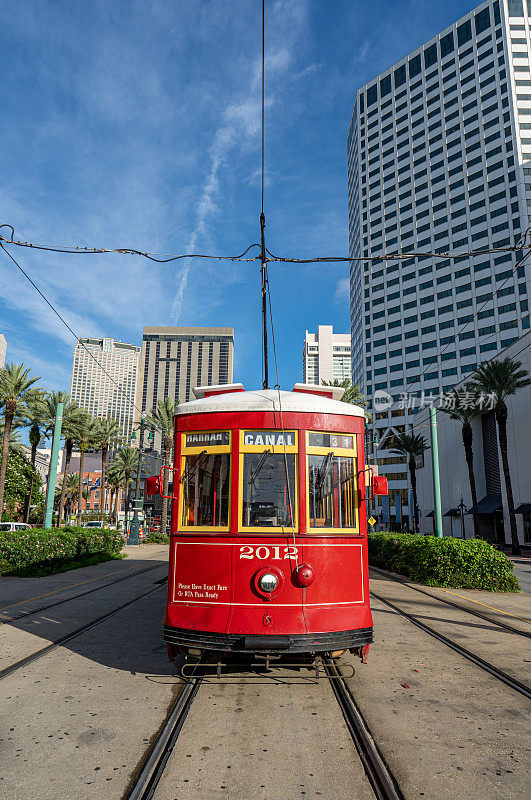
[
  {"x": 326, "y": 356},
  {"x": 439, "y": 159},
  {"x": 104, "y": 375},
  {"x": 3, "y": 350},
  {"x": 456, "y": 499}
]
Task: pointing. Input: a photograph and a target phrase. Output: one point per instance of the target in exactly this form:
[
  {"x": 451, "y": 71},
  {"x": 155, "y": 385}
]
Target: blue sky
[{"x": 134, "y": 124}]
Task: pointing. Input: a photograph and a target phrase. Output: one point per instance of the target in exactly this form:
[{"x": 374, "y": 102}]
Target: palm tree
[
  {"x": 411, "y": 445},
  {"x": 51, "y": 402},
  {"x": 500, "y": 379},
  {"x": 15, "y": 388},
  {"x": 125, "y": 463},
  {"x": 70, "y": 491},
  {"x": 15, "y": 445},
  {"x": 35, "y": 418},
  {"x": 72, "y": 414},
  {"x": 84, "y": 431},
  {"x": 161, "y": 418},
  {"x": 463, "y": 407},
  {"x": 107, "y": 434},
  {"x": 353, "y": 394},
  {"x": 114, "y": 481}
]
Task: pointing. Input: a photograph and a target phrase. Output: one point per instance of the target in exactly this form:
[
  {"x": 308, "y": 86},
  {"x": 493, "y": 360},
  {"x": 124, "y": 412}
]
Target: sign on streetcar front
[
  {"x": 269, "y": 438},
  {"x": 207, "y": 438}
]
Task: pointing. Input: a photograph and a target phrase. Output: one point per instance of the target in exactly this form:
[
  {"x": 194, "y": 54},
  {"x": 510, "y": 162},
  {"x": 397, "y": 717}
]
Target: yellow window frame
[
  {"x": 349, "y": 452},
  {"x": 211, "y": 449},
  {"x": 277, "y": 449}
]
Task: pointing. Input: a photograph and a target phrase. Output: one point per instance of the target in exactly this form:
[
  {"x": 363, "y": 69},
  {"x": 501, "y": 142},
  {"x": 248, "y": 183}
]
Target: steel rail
[
  {"x": 151, "y": 771},
  {"x": 454, "y": 605},
  {"x": 513, "y": 683},
  {"x": 378, "y": 773},
  {"x": 23, "y": 662},
  {"x": 25, "y": 614}
]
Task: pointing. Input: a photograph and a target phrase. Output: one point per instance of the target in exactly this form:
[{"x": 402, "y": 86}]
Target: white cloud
[{"x": 342, "y": 292}]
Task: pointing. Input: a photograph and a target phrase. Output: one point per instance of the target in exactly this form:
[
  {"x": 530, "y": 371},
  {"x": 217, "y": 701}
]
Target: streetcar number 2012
[{"x": 276, "y": 553}]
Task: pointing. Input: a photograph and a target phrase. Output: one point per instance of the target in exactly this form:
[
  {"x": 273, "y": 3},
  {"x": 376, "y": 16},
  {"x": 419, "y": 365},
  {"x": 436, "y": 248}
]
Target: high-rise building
[
  {"x": 326, "y": 356},
  {"x": 104, "y": 375},
  {"x": 3, "y": 350},
  {"x": 439, "y": 159},
  {"x": 175, "y": 360}
]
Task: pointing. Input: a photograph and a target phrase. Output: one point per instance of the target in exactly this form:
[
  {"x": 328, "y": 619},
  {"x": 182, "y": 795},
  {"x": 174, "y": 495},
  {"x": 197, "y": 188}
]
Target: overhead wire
[
  {"x": 157, "y": 257},
  {"x": 263, "y": 100},
  {"x": 67, "y": 326},
  {"x": 161, "y": 258}
]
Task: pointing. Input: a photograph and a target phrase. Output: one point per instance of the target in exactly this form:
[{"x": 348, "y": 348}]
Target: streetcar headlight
[{"x": 268, "y": 582}]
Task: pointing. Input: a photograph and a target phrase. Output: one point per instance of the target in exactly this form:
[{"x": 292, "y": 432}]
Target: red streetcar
[{"x": 268, "y": 550}]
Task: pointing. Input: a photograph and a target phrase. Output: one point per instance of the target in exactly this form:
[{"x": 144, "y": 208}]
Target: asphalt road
[{"x": 523, "y": 573}]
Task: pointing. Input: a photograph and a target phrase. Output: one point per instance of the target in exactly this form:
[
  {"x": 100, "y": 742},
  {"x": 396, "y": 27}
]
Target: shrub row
[
  {"x": 458, "y": 563},
  {"x": 39, "y": 548},
  {"x": 157, "y": 537}
]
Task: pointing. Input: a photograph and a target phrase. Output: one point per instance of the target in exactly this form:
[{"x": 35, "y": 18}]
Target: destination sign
[
  {"x": 207, "y": 438},
  {"x": 329, "y": 440},
  {"x": 269, "y": 438}
]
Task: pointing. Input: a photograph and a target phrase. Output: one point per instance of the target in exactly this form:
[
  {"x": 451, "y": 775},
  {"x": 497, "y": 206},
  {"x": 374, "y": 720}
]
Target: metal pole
[
  {"x": 53, "y": 466},
  {"x": 135, "y": 524},
  {"x": 263, "y": 258},
  {"x": 462, "y": 509},
  {"x": 437, "y": 511}
]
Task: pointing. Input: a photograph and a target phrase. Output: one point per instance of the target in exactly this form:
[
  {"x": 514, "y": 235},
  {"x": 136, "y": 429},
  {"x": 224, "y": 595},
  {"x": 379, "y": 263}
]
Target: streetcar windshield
[
  {"x": 206, "y": 486},
  {"x": 268, "y": 489},
  {"x": 332, "y": 491}
]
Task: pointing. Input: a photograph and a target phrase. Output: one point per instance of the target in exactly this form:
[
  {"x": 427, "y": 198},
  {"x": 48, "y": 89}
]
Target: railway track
[
  {"x": 146, "y": 781},
  {"x": 28, "y": 613},
  {"x": 380, "y": 778},
  {"x": 452, "y": 604},
  {"x": 513, "y": 683},
  {"x": 23, "y": 662}
]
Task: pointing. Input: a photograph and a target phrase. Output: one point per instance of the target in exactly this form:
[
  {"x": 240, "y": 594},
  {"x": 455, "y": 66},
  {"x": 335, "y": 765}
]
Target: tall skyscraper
[
  {"x": 175, "y": 360},
  {"x": 326, "y": 356},
  {"x": 439, "y": 159},
  {"x": 3, "y": 350},
  {"x": 104, "y": 375}
]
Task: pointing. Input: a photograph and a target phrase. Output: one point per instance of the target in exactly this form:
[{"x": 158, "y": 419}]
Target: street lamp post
[
  {"x": 135, "y": 524},
  {"x": 462, "y": 510}
]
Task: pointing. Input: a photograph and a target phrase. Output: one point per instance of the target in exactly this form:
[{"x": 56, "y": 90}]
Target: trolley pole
[
  {"x": 437, "y": 511},
  {"x": 53, "y": 466},
  {"x": 263, "y": 259}
]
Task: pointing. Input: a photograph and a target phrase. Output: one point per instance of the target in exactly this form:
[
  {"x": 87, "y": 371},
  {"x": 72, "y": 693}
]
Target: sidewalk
[{"x": 16, "y": 592}]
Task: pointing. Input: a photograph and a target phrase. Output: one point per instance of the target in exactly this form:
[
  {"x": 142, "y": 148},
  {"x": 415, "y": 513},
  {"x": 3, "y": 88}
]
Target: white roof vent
[
  {"x": 224, "y": 388},
  {"x": 332, "y": 392}
]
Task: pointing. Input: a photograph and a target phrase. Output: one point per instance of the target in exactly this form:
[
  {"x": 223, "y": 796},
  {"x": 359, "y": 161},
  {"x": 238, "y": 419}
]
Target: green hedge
[
  {"x": 157, "y": 537},
  {"x": 39, "y": 549},
  {"x": 458, "y": 563}
]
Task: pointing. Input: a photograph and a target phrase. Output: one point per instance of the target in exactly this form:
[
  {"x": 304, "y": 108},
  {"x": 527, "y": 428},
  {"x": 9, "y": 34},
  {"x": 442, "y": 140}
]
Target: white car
[
  {"x": 14, "y": 526},
  {"x": 94, "y": 523}
]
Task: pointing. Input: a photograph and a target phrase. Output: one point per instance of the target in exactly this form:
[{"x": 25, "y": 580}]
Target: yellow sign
[{"x": 371, "y": 521}]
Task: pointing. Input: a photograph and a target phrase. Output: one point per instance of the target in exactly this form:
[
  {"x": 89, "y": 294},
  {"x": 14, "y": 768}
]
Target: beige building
[
  {"x": 104, "y": 375},
  {"x": 326, "y": 356},
  {"x": 175, "y": 360},
  {"x": 3, "y": 350}
]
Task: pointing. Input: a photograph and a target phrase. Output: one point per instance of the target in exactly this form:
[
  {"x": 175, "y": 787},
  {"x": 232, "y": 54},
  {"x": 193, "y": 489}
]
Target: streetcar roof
[{"x": 268, "y": 400}]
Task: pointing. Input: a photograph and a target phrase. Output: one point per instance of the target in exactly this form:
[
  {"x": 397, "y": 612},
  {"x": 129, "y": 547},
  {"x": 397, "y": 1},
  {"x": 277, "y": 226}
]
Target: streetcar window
[
  {"x": 332, "y": 491},
  {"x": 205, "y": 489},
  {"x": 268, "y": 489}
]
